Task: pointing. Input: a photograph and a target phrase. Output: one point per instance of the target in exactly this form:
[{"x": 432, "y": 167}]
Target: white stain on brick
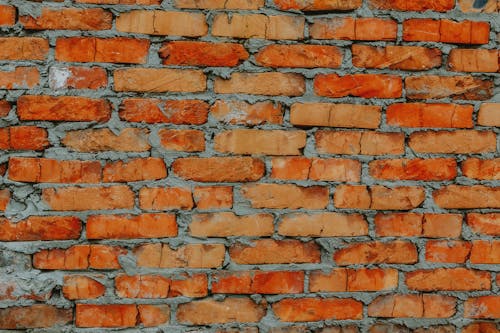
[{"x": 58, "y": 77}]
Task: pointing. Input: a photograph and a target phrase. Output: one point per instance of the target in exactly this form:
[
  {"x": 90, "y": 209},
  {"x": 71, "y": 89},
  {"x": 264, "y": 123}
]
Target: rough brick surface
[{"x": 253, "y": 166}]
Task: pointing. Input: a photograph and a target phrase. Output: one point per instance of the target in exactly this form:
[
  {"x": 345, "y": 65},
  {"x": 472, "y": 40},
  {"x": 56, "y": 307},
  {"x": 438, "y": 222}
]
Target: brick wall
[{"x": 326, "y": 166}]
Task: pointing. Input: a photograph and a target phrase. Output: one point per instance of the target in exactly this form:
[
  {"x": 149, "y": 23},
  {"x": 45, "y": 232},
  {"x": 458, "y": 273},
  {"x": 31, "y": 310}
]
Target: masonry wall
[{"x": 327, "y": 166}]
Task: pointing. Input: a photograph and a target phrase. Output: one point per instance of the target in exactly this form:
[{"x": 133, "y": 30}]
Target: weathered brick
[
  {"x": 473, "y": 60},
  {"x": 106, "y": 315},
  {"x": 396, "y": 252},
  {"x": 302, "y": 56},
  {"x": 269, "y": 84},
  {"x": 416, "y": 224},
  {"x": 481, "y": 169},
  {"x": 335, "y": 169},
  {"x": 396, "y": 57},
  {"x": 202, "y": 54},
  {"x": 259, "y": 26},
  {"x": 82, "y": 287},
  {"x": 165, "y": 198},
  {"x": 488, "y": 224},
  {"x": 456, "y": 87},
  {"x": 41, "y": 228},
  {"x": 159, "y": 80},
  {"x": 412, "y": 306},
  {"x": 342, "y": 280},
  {"x": 7, "y": 15},
  {"x": 430, "y": 115},
  {"x": 335, "y": 115},
  {"x": 290, "y": 168},
  {"x": 230, "y": 310},
  {"x": 420, "y": 5},
  {"x": 153, "y": 315},
  {"x": 489, "y": 114},
  {"x": 447, "y": 251},
  {"x": 131, "y": 226},
  {"x": 219, "y": 4},
  {"x": 446, "y": 31},
  {"x": 462, "y": 197},
  {"x": 79, "y": 257},
  {"x": 268, "y": 142},
  {"x": 24, "y": 138},
  {"x": 179, "y": 112},
  {"x": 64, "y": 108},
  {"x": 227, "y": 224},
  {"x": 69, "y": 19},
  {"x": 137, "y": 169},
  {"x": 456, "y": 142},
  {"x": 73, "y": 77},
  {"x": 20, "y": 78},
  {"x": 282, "y": 196},
  {"x": 482, "y": 307},
  {"x": 378, "y": 197},
  {"x": 159, "y": 255},
  {"x": 34, "y": 316},
  {"x": 88, "y": 198},
  {"x": 94, "y": 140},
  {"x": 182, "y": 140},
  {"x": 23, "y": 48},
  {"x": 258, "y": 282},
  {"x": 157, "y": 22},
  {"x": 485, "y": 252},
  {"x": 364, "y": 143},
  {"x": 90, "y": 49},
  {"x": 240, "y": 112},
  {"x": 318, "y": 5},
  {"x": 315, "y": 309},
  {"x": 448, "y": 279},
  {"x": 213, "y": 197},
  {"x": 354, "y": 28},
  {"x": 219, "y": 169},
  {"x": 322, "y": 225},
  {"x": 414, "y": 169},
  {"x": 358, "y": 85},
  {"x": 263, "y": 251}
]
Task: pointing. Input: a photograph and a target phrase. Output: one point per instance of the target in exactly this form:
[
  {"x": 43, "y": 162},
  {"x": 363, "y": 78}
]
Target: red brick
[
  {"x": 318, "y": 5},
  {"x": 342, "y": 280},
  {"x": 219, "y": 4},
  {"x": 263, "y": 251},
  {"x": 398, "y": 224},
  {"x": 165, "y": 198},
  {"x": 34, "y": 316},
  {"x": 77, "y": 78},
  {"x": 103, "y": 139},
  {"x": 396, "y": 252},
  {"x": 25, "y": 138},
  {"x": 465, "y": 32},
  {"x": 159, "y": 255},
  {"x": 142, "y": 286},
  {"x": 456, "y": 142},
  {"x": 182, "y": 140},
  {"x": 23, "y": 48},
  {"x": 82, "y": 287},
  {"x": 90, "y": 49},
  {"x": 240, "y": 112},
  {"x": 219, "y": 169},
  {"x": 190, "y": 285},
  {"x": 65, "y": 108},
  {"x": 258, "y": 282},
  {"x": 481, "y": 169},
  {"x": 41, "y": 228},
  {"x": 20, "y": 78},
  {"x": 315, "y": 309},
  {"x": 488, "y": 224},
  {"x": 448, "y": 279},
  {"x": 182, "y": 112},
  {"x": 137, "y": 169},
  {"x": 420, "y": 5},
  {"x": 5, "y": 108},
  {"x": 4, "y": 199},
  {"x": 358, "y": 85},
  {"x": 227, "y": 224},
  {"x": 79, "y": 257},
  {"x": 335, "y": 169},
  {"x": 302, "y": 56},
  {"x": 186, "y": 53},
  {"x": 130, "y": 226},
  {"x": 230, "y": 310},
  {"x": 88, "y": 198},
  {"x": 421, "y": 30},
  {"x": 481, "y": 327},
  {"x": 69, "y": 19},
  {"x": 378, "y": 197},
  {"x": 323, "y": 225},
  {"x": 442, "y": 225},
  {"x": 414, "y": 169},
  {"x": 153, "y": 315},
  {"x": 354, "y": 143},
  {"x": 447, "y": 251},
  {"x": 489, "y": 114},
  {"x": 213, "y": 197},
  {"x": 430, "y": 115},
  {"x": 282, "y": 196}
]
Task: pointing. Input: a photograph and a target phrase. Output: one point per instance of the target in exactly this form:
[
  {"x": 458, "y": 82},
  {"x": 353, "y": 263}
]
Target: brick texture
[{"x": 253, "y": 166}]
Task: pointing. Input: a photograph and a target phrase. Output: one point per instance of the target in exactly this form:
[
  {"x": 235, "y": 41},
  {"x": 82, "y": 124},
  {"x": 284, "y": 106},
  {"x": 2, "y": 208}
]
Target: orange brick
[
  {"x": 457, "y": 142},
  {"x": 23, "y": 48},
  {"x": 182, "y": 112},
  {"x": 77, "y": 78},
  {"x": 219, "y": 4},
  {"x": 290, "y": 168},
  {"x": 465, "y": 32},
  {"x": 482, "y": 307},
  {"x": 354, "y": 29},
  {"x": 240, "y": 112},
  {"x": 137, "y": 169},
  {"x": 354, "y": 143},
  {"x": 318, "y": 5},
  {"x": 159, "y": 255},
  {"x": 322, "y": 225},
  {"x": 153, "y": 80},
  {"x": 488, "y": 224},
  {"x": 129, "y": 226},
  {"x": 269, "y": 84},
  {"x": 304, "y": 56},
  {"x": 481, "y": 169},
  {"x": 88, "y": 198},
  {"x": 34, "y": 316},
  {"x": 280, "y": 196},
  {"x": 396, "y": 252},
  {"x": 396, "y": 57},
  {"x": 489, "y": 114},
  {"x": 230, "y": 310},
  {"x": 258, "y": 282},
  {"x": 414, "y": 169},
  {"x": 315, "y": 309},
  {"x": 106, "y": 315},
  {"x": 473, "y": 60},
  {"x": 94, "y": 140},
  {"x": 227, "y": 224},
  {"x": 421, "y": 5},
  {"x": 358, "y": 85},
  {"x": 456, "y": 87},
  {"x": 165, "y": 198},
  {"x": 41, "y": 228},
  {"x": 213, "y": 197},
  {"x": 485, "y": 252},
  {"x": 263, "y": 251},
  {"x": 82, "y": 287},
  {"x": 335, "y": 169},
  {"x": 219, "y": 169},
  {"x": 412, "y": 306},
  {"x": 182, "y": 140},
  {"x": 461, "y": 196},
  {"x": 447, "y": 251},
  {"x": 25, "y": 138},
  {"x": 7, "y": 15},
  {"x": 378, "y": 197}
]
